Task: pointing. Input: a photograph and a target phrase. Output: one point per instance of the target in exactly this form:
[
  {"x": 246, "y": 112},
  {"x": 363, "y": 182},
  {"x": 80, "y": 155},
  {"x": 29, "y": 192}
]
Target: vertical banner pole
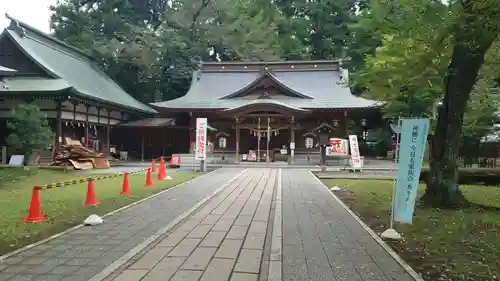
[{"x": 391, "y": 233}]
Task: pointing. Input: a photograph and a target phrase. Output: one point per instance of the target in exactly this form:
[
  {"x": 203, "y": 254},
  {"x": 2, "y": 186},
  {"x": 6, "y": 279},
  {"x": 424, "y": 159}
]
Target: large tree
[
  {"x": 151, "y": 48},
  {"x": 473, "y": 31},
  {"x": 431, "y": 53}
]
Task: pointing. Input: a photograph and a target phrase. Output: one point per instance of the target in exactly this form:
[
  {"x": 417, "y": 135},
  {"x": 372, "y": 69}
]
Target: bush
[{"x": 482, "y": 176}]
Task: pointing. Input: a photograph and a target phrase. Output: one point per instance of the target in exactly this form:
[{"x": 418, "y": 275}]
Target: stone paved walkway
[
  {"x": 264, "y": 224},
  {"x": 81, "y": 254},
  {"x": 322, "y": 241},
  {"x": 222, "y": 241}
]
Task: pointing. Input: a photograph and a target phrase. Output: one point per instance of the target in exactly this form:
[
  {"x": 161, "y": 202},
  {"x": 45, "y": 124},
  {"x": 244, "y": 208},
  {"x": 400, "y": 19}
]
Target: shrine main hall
[{"x": 266, "y": 108}]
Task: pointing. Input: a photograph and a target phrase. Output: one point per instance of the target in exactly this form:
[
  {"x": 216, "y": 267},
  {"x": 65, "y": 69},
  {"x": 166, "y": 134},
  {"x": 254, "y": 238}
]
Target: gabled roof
[
  {"x": 220, "y": 86},
  {"x": 65, "y": 62},
  {"x": 267, "y": 74}
]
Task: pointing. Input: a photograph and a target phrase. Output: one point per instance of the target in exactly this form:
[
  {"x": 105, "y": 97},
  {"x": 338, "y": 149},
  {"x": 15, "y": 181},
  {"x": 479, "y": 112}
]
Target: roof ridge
[
  {"x": 24, "y": 25},
  {"x": 285, "y": 62}
]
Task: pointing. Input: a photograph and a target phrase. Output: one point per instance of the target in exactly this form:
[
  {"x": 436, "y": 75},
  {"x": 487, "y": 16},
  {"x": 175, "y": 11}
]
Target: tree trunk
[{"x": 467, "y": 57}]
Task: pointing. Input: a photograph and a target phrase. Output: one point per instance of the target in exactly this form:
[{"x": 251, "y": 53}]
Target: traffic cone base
[
  {"x": 91, "y": 201},
  {"x": 35, "y": 214}
]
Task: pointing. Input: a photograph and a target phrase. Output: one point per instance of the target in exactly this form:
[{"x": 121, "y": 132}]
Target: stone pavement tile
[
  {"x": 23, "y": 277},
  {"x": 5, "y": 276},
  {"x": 237, "y": 232},
  {"x": 131, "y": 275},
  {"x": 370, "y": 271},
  {"x": 187, "y": 275},
  {"x": 237, "y": 276},
  {"x": 254, "y": 241},
  {"x": 34, "y": 260},
  {"x": 199, "y": 231},
  {"x": 346, "y": 271},
  {"x": 294, "y": 268},
  {"x": 173, "y": 239},
  {"x": 165, "y": 269},
  {"x": 151, "y": 258},
  {"x": 39, "y": 269},
  {"x": 229, "y": 249},
  {"x": 210, "y": 219},
  {"x": 218, "y": 270},
  {"x": 249, "y": 261},
  {"x": 223, "y": 224},
  {"x": 65, "y": 269},
  {"x": 199, "y": 259},
  {"x": 184, "y": 248},
  {"x": 213, "y": 239},
  {"x": 258, "y": 227},
  {"x": 48, "y": 277},
  {"x": 319, "y": 268},
  {"x": 78, "y": 261},
  {"x": 243, "y": 220}
]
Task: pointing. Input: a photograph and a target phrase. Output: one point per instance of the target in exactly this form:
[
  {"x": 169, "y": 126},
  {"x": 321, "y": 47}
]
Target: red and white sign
[
  {"x": 201, "y": 139},
  {"x": 356, "y": 163}
]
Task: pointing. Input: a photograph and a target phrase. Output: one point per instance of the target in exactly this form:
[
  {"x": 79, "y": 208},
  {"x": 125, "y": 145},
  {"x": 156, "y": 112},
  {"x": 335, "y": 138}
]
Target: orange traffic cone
[
  {"x": 179, "y": 160},
  {"x": 172, "y": 163},
  {"x": 91, "y": 195},
  {"x": 125, "y": 185},
  {"x": 149, "y": 181},
  {"x": 153, "y": 166},
  {"x": 35, "y": 214},
  {"x": 161, "y": 170}
]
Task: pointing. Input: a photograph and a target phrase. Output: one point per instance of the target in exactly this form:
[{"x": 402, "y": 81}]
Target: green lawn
[
  {"x": 63, "y": 206},
  {"x": 456, "y": 245}
]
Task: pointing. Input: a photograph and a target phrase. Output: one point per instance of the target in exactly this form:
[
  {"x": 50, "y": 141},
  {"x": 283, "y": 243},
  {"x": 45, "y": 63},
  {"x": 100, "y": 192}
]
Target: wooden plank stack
[{"x": 73, "y": 153}]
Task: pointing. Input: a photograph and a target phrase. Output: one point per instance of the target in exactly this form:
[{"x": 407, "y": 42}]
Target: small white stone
[
  {"x": 93, "y": 220},
  {"x": 335, "y": 188},
  {"x": 391, "y": 234}
]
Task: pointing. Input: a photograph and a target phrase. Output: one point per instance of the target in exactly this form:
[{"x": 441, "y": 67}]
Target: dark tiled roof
[
  {"x": 62, "y": 61},
  {"x": 319, "y": 89}
]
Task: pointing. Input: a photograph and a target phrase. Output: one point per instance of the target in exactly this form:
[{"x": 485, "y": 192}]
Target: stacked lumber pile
[{"x": 73, "y": 153}]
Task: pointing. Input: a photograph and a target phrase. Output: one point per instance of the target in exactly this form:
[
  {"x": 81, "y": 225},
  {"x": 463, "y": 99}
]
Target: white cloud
[{"x": 33, "y": 12}]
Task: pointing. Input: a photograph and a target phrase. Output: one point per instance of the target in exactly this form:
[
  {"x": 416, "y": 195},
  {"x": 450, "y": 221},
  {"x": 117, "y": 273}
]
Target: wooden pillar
[
  {"x": 292, "y": 140},
  {"x": 86, "y": 126},
  {"x": 142, "y": 145},
  {"x": 58, "y": 126},
  {"x": 74, "y": 119},
  {"x": 237, "y": 140},
  {"x": 108, "y": 135}
]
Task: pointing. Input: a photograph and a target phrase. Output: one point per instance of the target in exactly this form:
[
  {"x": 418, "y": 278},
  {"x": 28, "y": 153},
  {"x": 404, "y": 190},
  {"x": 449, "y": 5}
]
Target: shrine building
[{"x": 268, "y": 107}]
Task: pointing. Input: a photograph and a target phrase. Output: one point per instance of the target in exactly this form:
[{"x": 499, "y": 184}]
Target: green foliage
[
  {"x": 151, "y": 48},
  {"x": 29, "y": 129}
]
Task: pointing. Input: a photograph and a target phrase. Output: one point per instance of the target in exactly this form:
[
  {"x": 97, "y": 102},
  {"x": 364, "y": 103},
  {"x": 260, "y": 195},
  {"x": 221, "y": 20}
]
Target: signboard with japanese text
[
  {"x": 339, "y": 146},
  {"x": 201, "y": 139},
  {"x": 356, "y": 163},
  {"x": 411, "y": 155}
]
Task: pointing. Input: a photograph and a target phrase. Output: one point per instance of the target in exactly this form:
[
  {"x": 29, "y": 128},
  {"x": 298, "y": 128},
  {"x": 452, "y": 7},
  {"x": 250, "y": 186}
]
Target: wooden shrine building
[
  {"x": 78, "y": 98},
  {"x": 268, "y": 107}
]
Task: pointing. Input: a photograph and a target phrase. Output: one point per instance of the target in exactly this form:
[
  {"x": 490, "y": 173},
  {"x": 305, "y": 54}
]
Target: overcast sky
[{"x": 33, "y": 12}]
